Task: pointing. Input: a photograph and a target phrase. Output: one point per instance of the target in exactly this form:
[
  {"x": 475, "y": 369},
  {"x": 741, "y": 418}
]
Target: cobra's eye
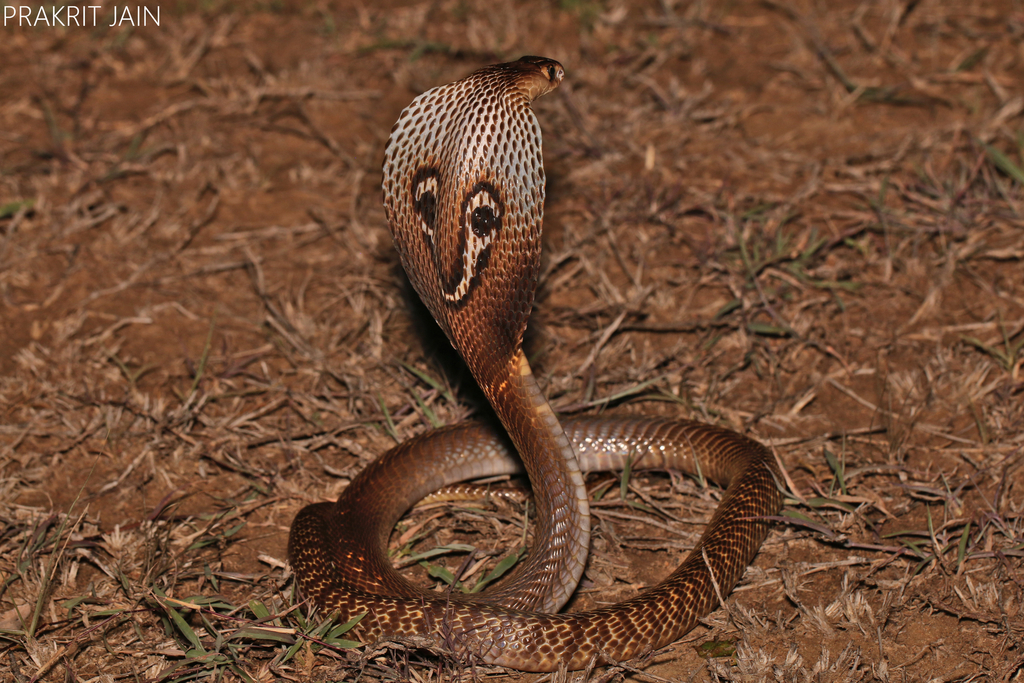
[{"x": 483, "y": 221}]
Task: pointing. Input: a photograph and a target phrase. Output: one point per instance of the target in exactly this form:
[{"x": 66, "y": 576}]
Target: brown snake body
[{"x": 464, "y": 194}]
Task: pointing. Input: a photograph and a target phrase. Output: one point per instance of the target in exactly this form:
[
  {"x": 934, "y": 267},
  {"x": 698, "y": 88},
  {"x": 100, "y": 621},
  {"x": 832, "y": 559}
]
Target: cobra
[{"x": 464, "y": 197}]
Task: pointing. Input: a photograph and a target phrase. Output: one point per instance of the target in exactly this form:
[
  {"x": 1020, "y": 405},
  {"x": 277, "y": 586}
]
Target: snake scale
[{"x": 464, "y": 196}]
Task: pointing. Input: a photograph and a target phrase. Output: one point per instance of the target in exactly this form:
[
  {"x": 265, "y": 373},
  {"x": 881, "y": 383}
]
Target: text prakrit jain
[{"x": 80, "y": 15}]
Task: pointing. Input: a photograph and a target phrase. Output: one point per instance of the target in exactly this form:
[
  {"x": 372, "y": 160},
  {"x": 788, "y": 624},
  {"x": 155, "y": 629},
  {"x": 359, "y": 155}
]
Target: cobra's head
[
  {"x": 464, "y": 196},
  {"x": 539, "y": 75}
]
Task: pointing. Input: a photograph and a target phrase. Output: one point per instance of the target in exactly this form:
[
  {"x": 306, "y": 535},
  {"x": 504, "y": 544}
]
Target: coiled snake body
[{"x": 464, "y": 195}]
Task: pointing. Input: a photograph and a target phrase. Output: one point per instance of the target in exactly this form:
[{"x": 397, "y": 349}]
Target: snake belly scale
[{"x": 464, "y": 197}]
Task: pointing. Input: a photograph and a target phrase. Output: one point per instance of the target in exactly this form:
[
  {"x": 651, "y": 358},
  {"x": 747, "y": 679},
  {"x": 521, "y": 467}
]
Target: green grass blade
[
  {"x": 499, "y": 570},
  {"x": 1004, "y": 164}
]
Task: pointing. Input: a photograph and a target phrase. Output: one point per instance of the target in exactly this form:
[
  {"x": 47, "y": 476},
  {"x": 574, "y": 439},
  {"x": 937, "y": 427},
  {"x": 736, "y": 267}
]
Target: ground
[{"x": 801, "y": 221}]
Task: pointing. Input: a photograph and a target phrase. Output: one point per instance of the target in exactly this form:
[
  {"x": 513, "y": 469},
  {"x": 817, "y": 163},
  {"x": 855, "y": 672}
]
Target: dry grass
[{"x": 801, "y": 221}]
